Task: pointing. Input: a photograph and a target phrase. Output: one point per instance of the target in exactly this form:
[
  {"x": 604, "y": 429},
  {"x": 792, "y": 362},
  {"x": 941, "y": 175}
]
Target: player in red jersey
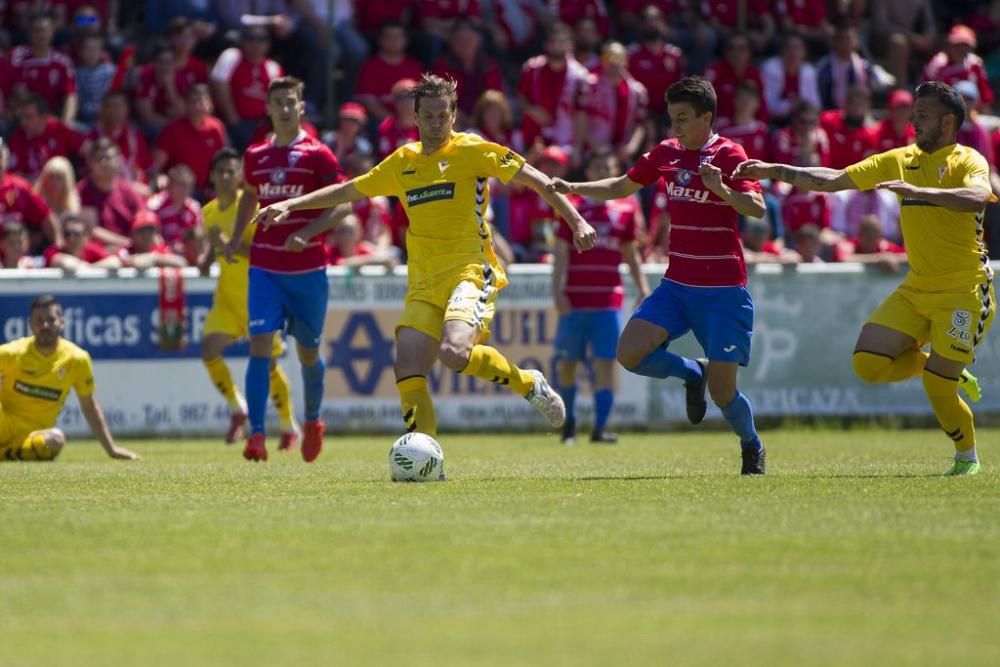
[
  {"x": 589, "y": 293},
  {"x": 704, "y": 289},
  {"x": 852, "y": 138},
  {"x": 285, "y": 287}
]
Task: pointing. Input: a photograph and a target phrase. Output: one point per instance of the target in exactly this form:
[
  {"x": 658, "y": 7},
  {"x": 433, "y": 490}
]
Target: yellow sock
[
  {"x": 418, "y": 408},
  {"x": 952, "y": 413},
  {"x": 223, "y": 381},
  {"x": 281, "y": 397},
  {"x": 872, "y": 367},
  {"x": 34, "y": 448},
  {"x": 489, "y": 364}
]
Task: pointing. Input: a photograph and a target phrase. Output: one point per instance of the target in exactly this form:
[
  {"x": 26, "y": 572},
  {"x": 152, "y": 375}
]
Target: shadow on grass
[
  {"x": 874, "y": 475},
  {"x": 630, "y": 478}
]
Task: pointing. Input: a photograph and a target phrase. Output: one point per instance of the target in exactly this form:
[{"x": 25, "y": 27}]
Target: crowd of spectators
[{"x": 111, "y": 111}]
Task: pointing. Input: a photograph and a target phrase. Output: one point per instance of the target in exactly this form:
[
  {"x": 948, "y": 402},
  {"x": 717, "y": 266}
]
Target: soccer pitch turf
[{"x": 853, "y": 550}]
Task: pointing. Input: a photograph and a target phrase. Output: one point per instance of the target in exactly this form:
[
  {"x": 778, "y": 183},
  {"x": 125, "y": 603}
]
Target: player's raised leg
[
  {"x": 212, "y": 347},
  {"x": 416, "y": 353}
]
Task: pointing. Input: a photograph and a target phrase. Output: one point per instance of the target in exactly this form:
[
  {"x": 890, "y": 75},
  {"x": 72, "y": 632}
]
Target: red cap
[
  {"x": 555, "y": 154},
  {"x": 962, "y": 34},
  {"x": 403, "y": 86},
  {"x": 900, "y": 98},
  {"x": 145, "y": 218},
  {"x": 353, "y": 110}
]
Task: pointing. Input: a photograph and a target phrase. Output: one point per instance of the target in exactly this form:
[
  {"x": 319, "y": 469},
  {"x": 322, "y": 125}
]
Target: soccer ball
[{"x": 416, "y": 457}]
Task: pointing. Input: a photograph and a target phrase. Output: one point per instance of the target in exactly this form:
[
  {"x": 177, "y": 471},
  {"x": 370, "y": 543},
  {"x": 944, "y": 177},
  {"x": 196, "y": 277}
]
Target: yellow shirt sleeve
[
  {"x": 977, "y": 173},
  {"x": 6, "y": 359},
  {"x": 499, "y": 161},
  {"x": 83, "y": 382},
  {"x": 380, "y": 179},
  {"x": 873, "y": 170}
]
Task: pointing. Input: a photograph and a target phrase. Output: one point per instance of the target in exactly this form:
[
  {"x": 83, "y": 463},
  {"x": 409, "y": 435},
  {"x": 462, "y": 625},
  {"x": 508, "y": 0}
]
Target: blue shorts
[
  {"x": 577, "y": 328},
  {"x": 720, "y": 317},
  {"x": 295, "y": 302}
]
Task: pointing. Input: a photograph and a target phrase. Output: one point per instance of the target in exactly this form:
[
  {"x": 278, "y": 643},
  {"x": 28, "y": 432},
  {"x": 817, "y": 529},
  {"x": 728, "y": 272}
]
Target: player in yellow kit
[
  {"x": 38, "y": 372},
  {"x": 947, "y": 297},
  {"x": 227, "y": 320},
  {"x": 453, "y": 273}
]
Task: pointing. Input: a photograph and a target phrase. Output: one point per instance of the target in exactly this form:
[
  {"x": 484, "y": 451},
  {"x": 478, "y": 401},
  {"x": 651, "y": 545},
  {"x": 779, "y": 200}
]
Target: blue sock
[
  {"x": 663, "y": 364},
  {"x": 603, "y": 400},
  {"x": 258, "y": 386},
  {"x": 312, "y": 382},
  {"x": 740, "y": 418},
  {"x": 569, "y": 398}
]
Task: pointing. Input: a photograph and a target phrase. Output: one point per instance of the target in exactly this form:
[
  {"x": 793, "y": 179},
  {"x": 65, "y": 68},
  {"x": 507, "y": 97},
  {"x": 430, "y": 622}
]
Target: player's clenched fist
[
  {"x": 559, "y": 186},
  {"x": 274, "y": 214},
  {"x": 295, "y": 243},
  {"x": 711, "y": 176},
  {"x": 584, "y": 236},
  {"x": 754, "y": 169}
]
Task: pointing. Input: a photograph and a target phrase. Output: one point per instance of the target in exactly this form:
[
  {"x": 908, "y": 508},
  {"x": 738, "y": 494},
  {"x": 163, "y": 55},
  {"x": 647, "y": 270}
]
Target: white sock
[
  {"x": 966, "y": 454},
  {"x": 238, "y": 404}
]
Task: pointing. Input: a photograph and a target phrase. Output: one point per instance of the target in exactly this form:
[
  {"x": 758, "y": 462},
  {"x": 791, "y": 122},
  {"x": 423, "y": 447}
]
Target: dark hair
[
  {"x": 43, "y": 301},
  {"x": 947, "y": 96},
  {"x": 391, "y": 24},
  {"x": 748, "y": 86},
  {"x": 556, "y": 28},
  {"x": 800, "y": 107},
  {"x": 286, "y": 83},
  {"x": 177, "y": 25},
  {"x": 223, "y": 154},
  {"x": 37, "y": 101},
  {"x": 697, "y": 92},
  {"x": 601, "y": 154},
  {"x": 197, "y": 90},
  {"x": 431, "y": 85},
  {"x": 40, "y": 16},
  {"x": 100, "y": 145}
]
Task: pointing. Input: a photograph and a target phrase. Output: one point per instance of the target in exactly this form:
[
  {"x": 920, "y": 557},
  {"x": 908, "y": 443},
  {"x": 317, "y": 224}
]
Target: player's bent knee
[
  {"x": 308, "y": 356},
  {"x": 628, "y": 356},
  {"x": 722, "y": 393},
  {"x": 454, "y": 354},
  {"x": 870, "y": 367}
]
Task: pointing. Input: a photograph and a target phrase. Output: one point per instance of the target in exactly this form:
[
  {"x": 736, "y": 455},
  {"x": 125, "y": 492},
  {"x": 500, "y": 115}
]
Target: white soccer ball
[{"x": 416, "y": 457}]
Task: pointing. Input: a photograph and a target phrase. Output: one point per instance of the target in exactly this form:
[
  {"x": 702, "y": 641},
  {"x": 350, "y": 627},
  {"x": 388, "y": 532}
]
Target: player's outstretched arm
[
  {"x": 326, "y": 197},
  {"x": 321, "y": 225},
  {"x": 970, "y": 200},
  {"x": 618, "y": 187},
  {"x": 804, "y": 178},
  {"x": 584, "y": 236},
  {"x": 244, "y": 212},
  {"x": 98, "y": 424}
]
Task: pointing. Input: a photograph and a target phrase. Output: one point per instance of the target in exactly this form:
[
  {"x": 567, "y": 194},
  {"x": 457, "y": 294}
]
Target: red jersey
[
  {"x": 996, "y": 148},
  {"x": 247, "y": 81},
  {"x": 392, "y": 135},
  {"x": 373, "y": 212},
  {"x": 785, "y": 147},
  {"x": 526, "y": 208},
  {"x": 334, "y": 256},
  {"x": 753, "y": 137},
  {"x": 847, "y": 144},
  {"x": 51, "y": 77},
  {"x": 19, "y": 203},
  {"x": 593, "y": 279},
  {"x": 657, "y": 71},
  {"x": 29, "y": 155},
  {"x": 194, "y": 71},
  {"x": 115, "y": 209},
  {"x": 850, "y": 247},
  {"x": 705, "y": 249},
  {"x": 970, "y": 69},
  {"x": 371, "y": 15},
  {"x": 556, "y": 91},
  {"x": 571, "y": 12},
  {"x": 809, "y": 13},
  {"x": 377, "y": 78},
  {"x": 92, "y": 252},
  {"x": 194, "y": 146},
  {"x": 280, "y": 173},
  {"x": 802, "y": 208},
  {"x": 174, "y": 218},
  {"x": 887, "y": 139},
  {"x": 724, "y": 79},
  {"x": 726, "y": 12},
  {"x": 133, "y": 147},
  {"x": 471, "y": 85}
]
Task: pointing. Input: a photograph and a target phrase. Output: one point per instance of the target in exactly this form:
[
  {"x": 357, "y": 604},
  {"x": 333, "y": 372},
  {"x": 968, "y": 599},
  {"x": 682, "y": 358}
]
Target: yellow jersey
[
  {"x": 445, "y": 195},
  {"x": 945, "y": 247},
  {"x": 233, "y": 278},
  {"x": 34, "y": 387}
]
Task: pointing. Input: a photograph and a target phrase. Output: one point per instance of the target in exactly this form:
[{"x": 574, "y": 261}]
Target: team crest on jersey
[
  {"x": 278, "y": 176},
  {"x": 941, "y": 170},
  {"x": 61, "y": 373},
  {"x": 705, "y": 159},
  {"x": 293, "y": 158},
  {"x": 961, "y": 321},
  {"x": 442, "y": 165},
  {"x": 683, "y": 176}
]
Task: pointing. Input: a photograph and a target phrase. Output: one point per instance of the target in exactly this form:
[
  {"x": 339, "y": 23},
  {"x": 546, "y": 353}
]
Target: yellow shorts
[
  {"x": 468, "y": 297},
  {"x": 953, "y": 322},
  {"x": 13, "y": 433},
  {"x": 226, "y": 318}
]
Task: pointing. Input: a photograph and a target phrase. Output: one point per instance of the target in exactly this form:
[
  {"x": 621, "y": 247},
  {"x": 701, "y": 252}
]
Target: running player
[
  {"x": 947, "y": 297},
  {"x": 704, "y": 289},
  {"x": 285, "y": 288},
  {"x": 38, "y": 372},
  {"x": 227, "y": 320},
  {"x": 588, "y": 292},
  {"x": 453, "y": 274}
]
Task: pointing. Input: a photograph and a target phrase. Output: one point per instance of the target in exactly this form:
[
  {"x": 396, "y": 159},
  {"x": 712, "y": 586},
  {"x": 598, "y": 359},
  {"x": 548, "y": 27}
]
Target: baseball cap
[
  {"x": 900, "y": 98},
  {"x": 145, "y": 218},
  {"x": 962, "y": 34},
  {"x": 353, "y": 110},
  {"x": 555, "y": 154}
]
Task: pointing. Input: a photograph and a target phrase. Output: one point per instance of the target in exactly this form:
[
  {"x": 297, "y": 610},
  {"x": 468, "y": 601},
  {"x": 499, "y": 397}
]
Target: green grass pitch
[{"x": 853, "y": 550}]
